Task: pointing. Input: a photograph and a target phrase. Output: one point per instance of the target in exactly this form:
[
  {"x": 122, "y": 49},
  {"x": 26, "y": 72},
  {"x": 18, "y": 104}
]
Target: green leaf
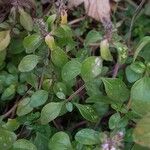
[
  {"x": 9, "y": 93},
  {"x": 91, "y": 68},
  {"x": 47, "y": 84},
  {"x": 16, "y": 46},
  {"x": 38, "y": 98},
  {"x": 28, "y": 63},
  {"x": 140, "y": 96},
  {"x": 116, "y": 89},
  {"x": 32, "y": 42},
  {"x": 92, "y": 37},
  {"x": 139, "y": 147},
  {"x": 41, "y": 141},
  {"x": 25, "y": 20},
  {"x": 71, "y": 70},
  {"x": 114, "y": 120},
  {"x": 88, "y": 137},
  {"x": 50, "y": 112},
  {"x": 23, "y": 144},
  {"x": 60, "y": 90},
  {"x": 141, "y": 45},
  {"x": 60, "y": 141},
  {"x": 24, "y": 107},
  {"x": 4, "y": 39},
  {"x": 11, "y": 125},
  {"x": 138, "y": 67},
  {"x": 87, "y": 112},
  {"x": 7, "y": 139},
  {"x": 105, "y": 52},
  {"x": 131, "y": 75},
  {"x": 141, "y": 133},
  {"x": 69, "y": 106},
  {"x": 59, "y": 57},
  {"x": 51, "y": 19}
]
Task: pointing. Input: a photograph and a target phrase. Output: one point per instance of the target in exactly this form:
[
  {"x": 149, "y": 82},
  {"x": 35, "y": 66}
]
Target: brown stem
[
  {"x": 10, "y": 111},
  {"x": 76, "y": 20},
  {"x": 115, "y": 71},
  {"x": 75, "y": 93},
  {"x": 77, "y": 125}
]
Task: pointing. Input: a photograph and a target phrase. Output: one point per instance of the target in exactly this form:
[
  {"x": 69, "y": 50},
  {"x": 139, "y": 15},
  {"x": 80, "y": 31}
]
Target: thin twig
[
  {"x": 75, "y": 93},
  {"x": 77, "y": 125},
  {"x": 134, "y": 18},
  {"x": 115, "y": 71},
  {"x": 76, "y": 20},
  {"x": 10, "y": 111}
]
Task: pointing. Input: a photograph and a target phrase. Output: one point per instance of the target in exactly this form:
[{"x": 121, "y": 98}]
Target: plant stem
[
  {"x": 115, "y": 71},
  {"x": 75, "y": 93}
]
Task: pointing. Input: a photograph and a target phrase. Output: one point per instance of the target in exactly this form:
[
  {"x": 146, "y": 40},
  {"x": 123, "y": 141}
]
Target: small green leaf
[
  {"x": 38, "y": 98},
  {"x": 88, "y": 137},
  {"x": 23, "y": 144},
  {"x": 92, "y": 37},
  {"x": 32, "y": 42},
  {"x": 105, "y": 52},
  {"x": 59, "y": 57},
  {"x": 114, "y": 120},
  {"x": 122, "y": 52},
  {"x": 91, "y": 68},
  {"x": 50, "y": 112},
  {"x": 138, "y": 67},
  {"x": 9, "y": 93},
  {"x": 60, "y": 90},
  {"x": 141, "y": 133},
  {"x": 51, "y": 19},
  {"x": 25, "y": 20},
  {"x": 69, "y": 106},
  {"x": 87, "y": 112},
  {"x": 7, "y": 139},
  {"x": 28, "y": 63},
  {"x": 4, "y": 39},
  {"x": 47, "y": 84},
  {"x": 116, "y": 89},
  {"x": 71, "y": 70},
  {"x": 24, "y": 107},
  {"x": 41, "y": 141},
  {"x": 140, "y": 96},
  {"x": 11, "y": 125},
  {"x": 141, "y": 45},
  {"x": 60, "y": 141},
  {"x": 131, "y": 75}
]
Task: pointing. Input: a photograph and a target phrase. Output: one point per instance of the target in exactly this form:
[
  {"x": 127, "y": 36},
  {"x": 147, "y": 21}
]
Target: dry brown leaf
[
  {"x": 97, "y": 9},
  {"x": 74, "y": 3}
]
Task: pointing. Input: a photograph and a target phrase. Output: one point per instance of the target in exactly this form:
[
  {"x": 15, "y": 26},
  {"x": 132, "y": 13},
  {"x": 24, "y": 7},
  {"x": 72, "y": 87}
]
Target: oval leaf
[
  {"x": 25, "y": 20},
  {"x": 88, "y": 137},
  {"x": 28, "y": 63},
  {"x": 91, "y": 68},
  {"x": 116, "y": 89},
  {"x": 105, "y": 52},
  {"x": 50, "y": 112},
  {"x": 60, "y": 141},
  {"x": 38, "y": 98},
  {"x": 24, "y": 107},
  {"x": 4, "y": 39},
  {"x": 71, "y": 70},
  {"x": 59, "y": 57},
  {"x": 23, "y": 144},
  {"x": 140, "y": 96},
  {"x": 7, "y": 139},
  {"x": 141, "y": 133},
  {"x": 32, "y": 42},
  {"x": 87, "y": 112}
]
